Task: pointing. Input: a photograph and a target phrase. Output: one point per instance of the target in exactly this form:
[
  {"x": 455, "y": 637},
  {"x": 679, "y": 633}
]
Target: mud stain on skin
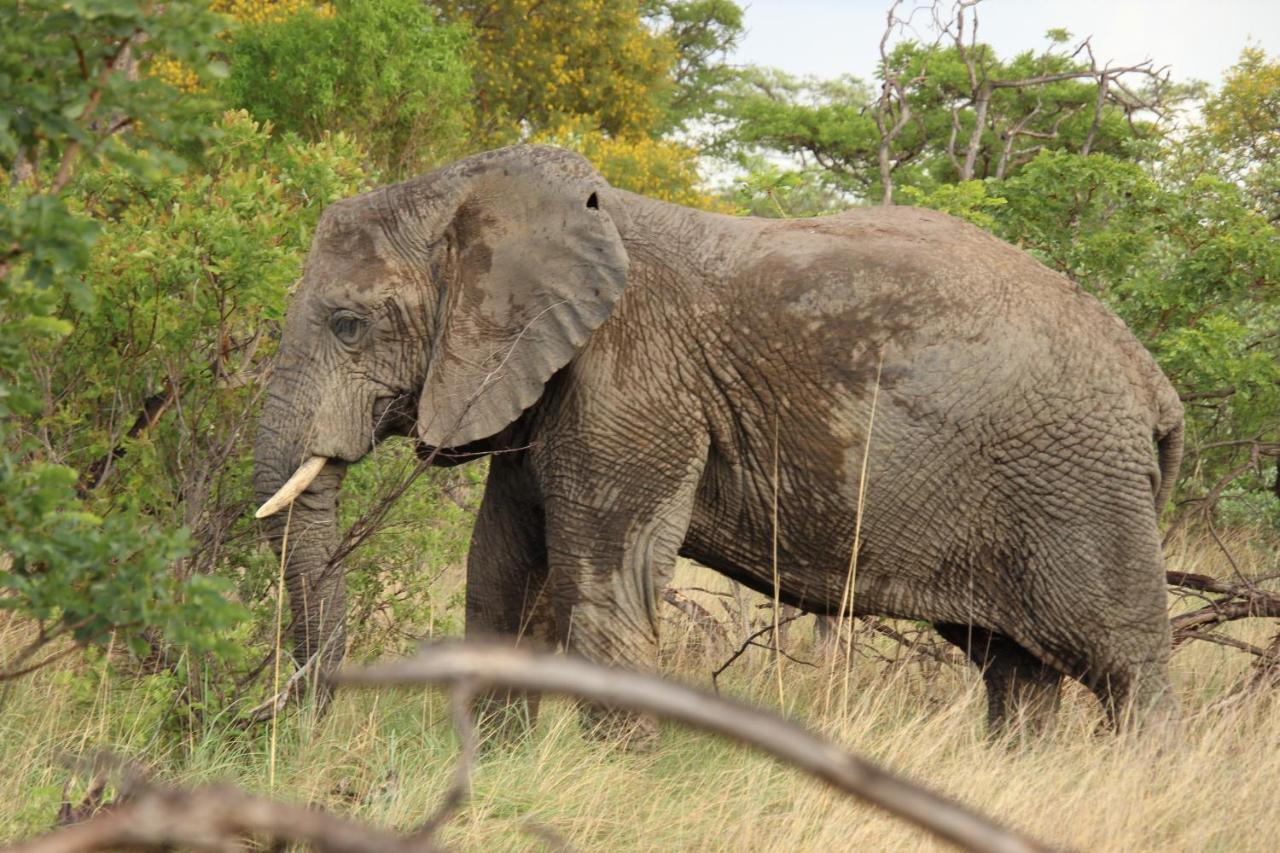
[{"x": 471, "y": 229}]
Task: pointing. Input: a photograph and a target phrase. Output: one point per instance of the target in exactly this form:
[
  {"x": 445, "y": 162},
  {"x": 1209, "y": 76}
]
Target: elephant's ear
[{"x": 535, "y": 264}]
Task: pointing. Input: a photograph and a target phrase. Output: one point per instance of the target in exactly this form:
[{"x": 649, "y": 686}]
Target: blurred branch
[
  {"x": 497, "y": 665},
  {"x": 216, "y": 818}
]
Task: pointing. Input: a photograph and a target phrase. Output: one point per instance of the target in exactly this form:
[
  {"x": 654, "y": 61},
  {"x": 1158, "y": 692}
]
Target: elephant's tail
[{"x": 1169, "y": 444}]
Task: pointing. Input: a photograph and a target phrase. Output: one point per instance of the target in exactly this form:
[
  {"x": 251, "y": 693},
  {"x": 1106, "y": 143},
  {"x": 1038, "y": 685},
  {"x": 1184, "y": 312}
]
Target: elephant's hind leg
[
  {"x": 1096, "y": 606},
  {"x": 1022, "y": 691}
]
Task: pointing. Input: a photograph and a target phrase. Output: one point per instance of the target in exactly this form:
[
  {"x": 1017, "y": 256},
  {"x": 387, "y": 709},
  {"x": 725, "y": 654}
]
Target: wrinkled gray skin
[{"x": 643, "y": 363}]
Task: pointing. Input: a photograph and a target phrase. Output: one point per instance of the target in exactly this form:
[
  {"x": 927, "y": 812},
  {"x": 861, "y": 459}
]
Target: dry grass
[{"x": 386, "y": 757}]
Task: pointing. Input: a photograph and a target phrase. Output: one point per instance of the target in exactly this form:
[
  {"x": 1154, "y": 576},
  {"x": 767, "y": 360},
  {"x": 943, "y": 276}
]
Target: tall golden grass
[{"x": 386, "y": 757}]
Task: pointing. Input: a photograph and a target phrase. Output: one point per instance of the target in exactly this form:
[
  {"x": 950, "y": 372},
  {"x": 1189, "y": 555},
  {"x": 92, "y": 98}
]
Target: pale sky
[{"x": 1197, "y": 38}]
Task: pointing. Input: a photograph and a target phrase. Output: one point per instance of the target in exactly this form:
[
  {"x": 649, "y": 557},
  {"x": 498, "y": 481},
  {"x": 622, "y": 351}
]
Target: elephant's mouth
[
  {"x": 447, "y": 457},
  {"x": 392, "y": 415}
]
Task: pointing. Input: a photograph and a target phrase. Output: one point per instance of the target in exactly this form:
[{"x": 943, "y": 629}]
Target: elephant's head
[{"x": 441, "y": 305}]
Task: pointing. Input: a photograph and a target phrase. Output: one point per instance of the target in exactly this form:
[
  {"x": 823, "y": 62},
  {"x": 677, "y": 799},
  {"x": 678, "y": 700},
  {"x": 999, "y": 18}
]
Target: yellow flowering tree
[
  {"x": 1242, "y": 125},
  {"x": 267, "y": 11},
  {"x": 659, "y": 168},
  {"x": 540, "y": 61}
]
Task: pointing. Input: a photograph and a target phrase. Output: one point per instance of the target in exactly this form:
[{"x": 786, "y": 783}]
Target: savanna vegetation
[{"x": 163, "y": 166}]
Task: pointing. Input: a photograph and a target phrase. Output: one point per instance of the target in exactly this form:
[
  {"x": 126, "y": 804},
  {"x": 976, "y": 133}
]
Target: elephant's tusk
[{"x": 294, "y": 486}]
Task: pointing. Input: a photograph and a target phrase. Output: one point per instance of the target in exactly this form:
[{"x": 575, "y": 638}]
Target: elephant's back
[
  {"x": 944, "y": 292},
  {"x": 959, "y": 331}
]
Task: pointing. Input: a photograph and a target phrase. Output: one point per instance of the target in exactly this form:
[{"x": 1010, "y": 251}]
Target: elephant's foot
[
  {"x": 1022, "y": 702},
  {"x": 633, "y": 732},
  {"x": 1022, "y": 691},
  {"x": 504, "y": 717},
  {"x": 1141, "y": 700}
]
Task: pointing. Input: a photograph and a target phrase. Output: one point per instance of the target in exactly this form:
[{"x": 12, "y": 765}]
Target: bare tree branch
[{"x": 717, "y": 638}]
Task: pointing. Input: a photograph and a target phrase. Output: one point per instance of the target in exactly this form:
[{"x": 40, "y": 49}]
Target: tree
[
  {"x": 948, "y": 110},
  {"x": 538, "y": 62},
  {"x": 386, "y": 73},
  {"x": 70, "y": 97},
  {"x": 702, "y": 33},
  {"x": 633, "y": 68},
  {"x": 1242, "y": 125},
  {"x": 659, "y": 168}
]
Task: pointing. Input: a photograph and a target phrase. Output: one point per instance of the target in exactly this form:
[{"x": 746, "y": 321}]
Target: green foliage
[
  {"x": 1090, "y": 218},
  {"x": 386, "y": 72},
  {"x": 1242, "y": 127},
  {"x": 69, "y": 96},
  {"x": 91, "y": 577},
  {"x": 968, "y": 200},
  {"x": 702, "y": 33},
  {"x": 190, "y": 275},
  {"x": 770, "y": 191},
  {"x": 395, "y": 593},
  {"x": 825, "y": 123},
  {"x": 69, "y": 84},
  {"x": 965, "y": 115}
]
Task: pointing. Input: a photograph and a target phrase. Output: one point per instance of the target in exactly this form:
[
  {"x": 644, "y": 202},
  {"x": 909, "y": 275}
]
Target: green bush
[
  {"x": 69, "y": 99},
  {"x": 386, "y": 72}
]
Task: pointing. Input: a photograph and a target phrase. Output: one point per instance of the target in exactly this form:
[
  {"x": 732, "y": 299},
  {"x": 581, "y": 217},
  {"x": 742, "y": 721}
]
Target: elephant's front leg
[
  {"x": 506, "y": 584},
  {"x": 612, "y": 548}
]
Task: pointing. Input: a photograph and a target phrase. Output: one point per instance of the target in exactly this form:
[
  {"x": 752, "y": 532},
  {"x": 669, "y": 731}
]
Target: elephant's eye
[{"x": 347, "y": 326}]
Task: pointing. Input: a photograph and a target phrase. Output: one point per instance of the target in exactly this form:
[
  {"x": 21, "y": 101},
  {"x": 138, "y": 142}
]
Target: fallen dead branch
[
  {"x": 1243, "y": 599},
  {"x": 479, "y": 665},
  {"x": 751, "y": 640},
  {"x": 1239, "y": 600}
]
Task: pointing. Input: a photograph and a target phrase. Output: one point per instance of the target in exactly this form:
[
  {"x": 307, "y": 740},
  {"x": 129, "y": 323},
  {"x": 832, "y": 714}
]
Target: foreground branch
[
  {"x": 519, "y": 669},
  {"x": 217, "y": 818}
]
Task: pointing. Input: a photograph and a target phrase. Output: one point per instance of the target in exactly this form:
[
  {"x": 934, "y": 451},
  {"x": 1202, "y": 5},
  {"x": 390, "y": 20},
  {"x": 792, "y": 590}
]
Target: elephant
[{"x": 889, "y": 396}]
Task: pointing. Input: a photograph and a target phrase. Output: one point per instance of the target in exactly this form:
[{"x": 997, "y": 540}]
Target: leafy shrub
[
  {"x": 68, "y": 99},
  {"x": 386, "y": 72},
  {"x": 190, "y": 274}
]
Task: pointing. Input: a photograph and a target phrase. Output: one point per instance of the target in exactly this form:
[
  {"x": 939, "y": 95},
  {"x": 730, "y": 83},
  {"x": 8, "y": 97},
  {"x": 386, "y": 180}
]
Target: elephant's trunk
[{"x": 306, "y": 533}]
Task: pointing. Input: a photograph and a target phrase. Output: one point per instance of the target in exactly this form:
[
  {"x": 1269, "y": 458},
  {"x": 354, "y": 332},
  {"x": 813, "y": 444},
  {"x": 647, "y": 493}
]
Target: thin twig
[{"x": 748, "y": 643}]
